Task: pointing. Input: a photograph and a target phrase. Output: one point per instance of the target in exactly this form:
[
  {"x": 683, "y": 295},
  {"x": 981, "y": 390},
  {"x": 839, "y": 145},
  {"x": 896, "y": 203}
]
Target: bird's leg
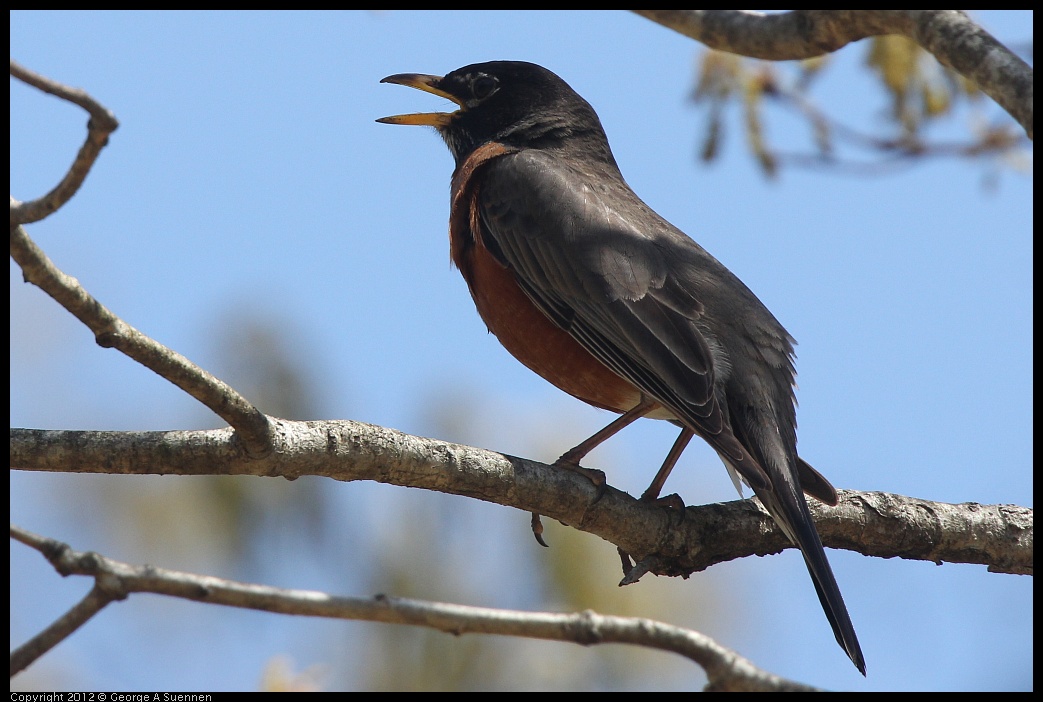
[
  {"x": 652, "y": 493},
  {"x": 571, "y": 458},
  {"x": 632, "y": 571}
]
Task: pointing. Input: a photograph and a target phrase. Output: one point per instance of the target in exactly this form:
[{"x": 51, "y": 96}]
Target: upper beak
[{"x": 429, "y": 84}]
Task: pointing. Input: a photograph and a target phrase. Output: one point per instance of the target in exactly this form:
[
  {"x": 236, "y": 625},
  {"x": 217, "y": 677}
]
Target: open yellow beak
[{"x": 428, "y": 84}]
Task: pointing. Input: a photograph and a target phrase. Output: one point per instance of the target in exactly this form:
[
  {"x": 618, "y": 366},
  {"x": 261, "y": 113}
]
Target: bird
[{"x": 590, "y": 288}]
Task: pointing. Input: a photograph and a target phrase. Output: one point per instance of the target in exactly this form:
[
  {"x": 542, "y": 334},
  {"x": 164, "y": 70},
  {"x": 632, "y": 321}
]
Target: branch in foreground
[
  {"x": 871, "y": 523},
  {"x": 950, "y": 36},
  {"x": 725, "y": 669}
]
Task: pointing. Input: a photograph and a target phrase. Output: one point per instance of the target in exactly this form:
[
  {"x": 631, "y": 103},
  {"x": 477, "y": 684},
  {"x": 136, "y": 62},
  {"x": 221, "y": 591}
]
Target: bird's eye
[{"x": 483, "y": 86}]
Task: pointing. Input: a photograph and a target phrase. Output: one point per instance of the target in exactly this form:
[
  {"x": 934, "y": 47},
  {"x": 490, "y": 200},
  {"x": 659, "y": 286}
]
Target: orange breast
[
  {"x": 536, "y": 341},
  {"x": 517, "y": 323}
]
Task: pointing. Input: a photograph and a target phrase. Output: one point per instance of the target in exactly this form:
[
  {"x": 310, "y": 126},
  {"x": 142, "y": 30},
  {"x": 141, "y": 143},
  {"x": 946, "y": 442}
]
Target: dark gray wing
[{"x": 627, "y": 285}]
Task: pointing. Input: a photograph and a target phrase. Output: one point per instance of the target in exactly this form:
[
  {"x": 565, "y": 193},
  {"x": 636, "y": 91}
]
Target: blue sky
[{"x": 248, "y": 178}]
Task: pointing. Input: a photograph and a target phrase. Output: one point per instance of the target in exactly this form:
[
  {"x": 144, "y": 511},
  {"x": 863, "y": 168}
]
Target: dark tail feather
[
  {"x": 833, "y": 605},
  {"x": 815, "y": 484},
  {"x": 790, "y": 511}
]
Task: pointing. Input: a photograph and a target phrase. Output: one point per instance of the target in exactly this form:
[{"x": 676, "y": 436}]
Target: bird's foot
[
  {"x": 672, "y": 503},
  {"x": 568, "y": 462},
  {"x": 632, "y": 572},
  {"x": 597, "y": 477},
  {"x": 537, "y": 530}
]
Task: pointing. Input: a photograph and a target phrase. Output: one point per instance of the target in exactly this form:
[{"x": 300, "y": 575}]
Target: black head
[{"x": 512, "y": 102}]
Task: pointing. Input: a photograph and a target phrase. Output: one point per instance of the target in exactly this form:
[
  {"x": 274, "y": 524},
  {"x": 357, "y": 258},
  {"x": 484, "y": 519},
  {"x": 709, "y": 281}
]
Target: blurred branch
[
  {"x": 725, "y": 669},
  {"x": 935, "y": 97},
  {"x": 949, "y": 35},
  {"x": 874, "y": 524}
]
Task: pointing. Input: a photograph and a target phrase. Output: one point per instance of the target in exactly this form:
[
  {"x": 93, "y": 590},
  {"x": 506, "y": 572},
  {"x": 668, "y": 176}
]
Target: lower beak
[{"x": 429, "y": 84}]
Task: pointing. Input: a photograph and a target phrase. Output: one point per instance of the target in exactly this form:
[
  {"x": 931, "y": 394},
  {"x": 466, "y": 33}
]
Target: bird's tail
[{"x": 788, "y": 508}]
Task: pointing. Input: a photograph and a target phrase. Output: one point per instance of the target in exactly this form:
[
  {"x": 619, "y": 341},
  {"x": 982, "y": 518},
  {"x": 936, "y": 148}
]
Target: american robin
[{"x": 586, "y": 285}]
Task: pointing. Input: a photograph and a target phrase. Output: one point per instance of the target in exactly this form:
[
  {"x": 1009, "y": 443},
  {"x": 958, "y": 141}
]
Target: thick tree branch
[
  {"x": 874, "y": 524},
  {"x": 725, "y": 669},
  {"x": 950, "y": 36}
]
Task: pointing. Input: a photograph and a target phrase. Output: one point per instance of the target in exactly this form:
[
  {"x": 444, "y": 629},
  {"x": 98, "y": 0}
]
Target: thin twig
[
  {"x": 101, "y": 123},
  {"x": 63, "y": 627}
]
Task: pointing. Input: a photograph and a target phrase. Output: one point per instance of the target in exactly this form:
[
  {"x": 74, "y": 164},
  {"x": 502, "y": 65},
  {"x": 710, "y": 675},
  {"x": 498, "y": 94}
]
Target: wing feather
[{"x": 614, "y": 288}]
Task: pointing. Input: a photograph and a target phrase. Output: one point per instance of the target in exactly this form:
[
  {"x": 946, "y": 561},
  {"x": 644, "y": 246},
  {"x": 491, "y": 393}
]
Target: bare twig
[
  {"x": 101, "y": 123},
  {"x": 23, "y": 656},
  {"x": 725, "y": 669}
]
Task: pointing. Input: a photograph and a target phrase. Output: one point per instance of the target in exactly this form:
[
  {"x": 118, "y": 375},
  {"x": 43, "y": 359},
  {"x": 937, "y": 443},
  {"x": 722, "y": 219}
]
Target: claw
[
  {"x": 624, "y": 558},
  {"x": 537, "y": 530},
  {"x": 634, "y": 574}
]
